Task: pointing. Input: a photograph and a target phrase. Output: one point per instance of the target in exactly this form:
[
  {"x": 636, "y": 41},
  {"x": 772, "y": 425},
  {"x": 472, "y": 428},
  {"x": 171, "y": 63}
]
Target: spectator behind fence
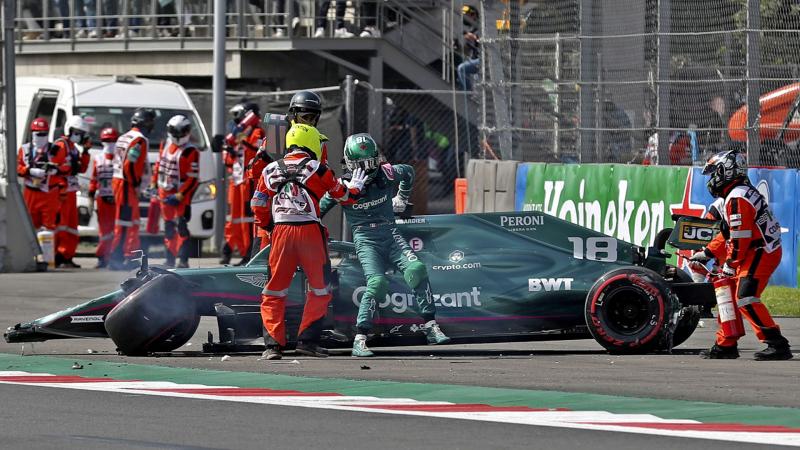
[
  {"x": 31, "y": 12},
  {"x": 617, "y": 138},
  {"x": 60, "y": 8},
  {"x": 369, "y": 19},
  {"x": 89, "y": 22},
  {"x": 404, "y": 135},
  {"x": 472, "y": 49},
  {"x": 135, "y": 21},
  {"x": 322, "y": 19},
  {"x": 279, "y": 27}
]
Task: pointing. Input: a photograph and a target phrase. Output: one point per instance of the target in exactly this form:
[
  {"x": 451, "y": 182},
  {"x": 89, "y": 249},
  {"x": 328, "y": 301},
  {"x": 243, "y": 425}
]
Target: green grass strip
[
  {"x": 667, "y": 409},
  {"x": 782, "y": 301}
]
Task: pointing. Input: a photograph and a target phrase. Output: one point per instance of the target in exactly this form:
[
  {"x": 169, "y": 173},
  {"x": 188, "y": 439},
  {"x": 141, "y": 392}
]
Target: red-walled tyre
[
  {"x": 631, "y": 310},
  {"x": 159, "y": 316}
]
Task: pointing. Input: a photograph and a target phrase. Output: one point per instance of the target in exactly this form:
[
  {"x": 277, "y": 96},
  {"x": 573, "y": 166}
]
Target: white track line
[{"x": 586, "y": 420}]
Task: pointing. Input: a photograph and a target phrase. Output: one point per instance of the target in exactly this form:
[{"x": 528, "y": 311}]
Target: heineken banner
[{"x": 633, "y": 203}]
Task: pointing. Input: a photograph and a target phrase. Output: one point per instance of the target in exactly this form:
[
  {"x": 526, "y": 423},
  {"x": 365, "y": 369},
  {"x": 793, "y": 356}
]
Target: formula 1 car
[{"x": 495, "y": 277}]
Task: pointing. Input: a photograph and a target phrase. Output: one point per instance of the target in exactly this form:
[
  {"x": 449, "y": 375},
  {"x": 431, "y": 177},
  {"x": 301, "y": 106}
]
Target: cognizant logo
[
  {"x": 401, "y": 302},
  {"x": 370, "y": 203}
]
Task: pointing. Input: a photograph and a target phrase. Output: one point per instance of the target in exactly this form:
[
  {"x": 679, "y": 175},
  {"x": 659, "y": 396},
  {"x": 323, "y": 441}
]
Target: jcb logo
[
  {"x": 549, "y": 284},
  {"x": 695, "y": 233}
]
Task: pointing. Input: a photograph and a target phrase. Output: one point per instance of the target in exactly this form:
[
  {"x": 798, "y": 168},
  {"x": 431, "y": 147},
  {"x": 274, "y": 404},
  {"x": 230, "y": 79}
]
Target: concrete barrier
[{"x": 491, "y": 185}]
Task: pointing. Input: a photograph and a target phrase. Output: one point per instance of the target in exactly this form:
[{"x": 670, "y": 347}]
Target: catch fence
[
  {"x": 415, "y": 127},
  {"x": 653, "y": 81}
]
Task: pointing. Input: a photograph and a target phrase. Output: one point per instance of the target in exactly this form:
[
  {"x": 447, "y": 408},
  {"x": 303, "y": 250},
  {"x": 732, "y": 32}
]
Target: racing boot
[
  {"x": 310, "y": 348},
  {"x": 360, "y": 348},
  {"x": 69, "y": 264},
  {"x": 169, "y": 261},
  {"x": 720, "y": 352},
  {"x": 183, "y": 255},
  {"x": 245, "y": 260},
  {"x": 434, "y": 334},
  {"x": 777, "y": 347},
  {"x": 272, "y": 352},
  {"x": 227, "y": 252},
  {"x": 102, "y": 263},
  {"x": 772, "y": 353}
]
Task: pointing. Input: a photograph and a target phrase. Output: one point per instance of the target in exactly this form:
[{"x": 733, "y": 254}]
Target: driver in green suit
[{"x": 378, "y": 243}]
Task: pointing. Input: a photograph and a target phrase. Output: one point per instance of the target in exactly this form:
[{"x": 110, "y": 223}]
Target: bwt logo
[
  {"x": 695, "y": 233},
  {"x": 549, "y": 284}
]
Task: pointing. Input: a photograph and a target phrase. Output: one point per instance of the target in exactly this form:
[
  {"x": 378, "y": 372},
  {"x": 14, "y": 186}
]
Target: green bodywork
[{"x": 495, "y": 276}]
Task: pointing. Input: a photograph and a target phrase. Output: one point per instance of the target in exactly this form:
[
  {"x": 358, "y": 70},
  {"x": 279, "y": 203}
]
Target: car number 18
[{"x": 596, "y": 248}]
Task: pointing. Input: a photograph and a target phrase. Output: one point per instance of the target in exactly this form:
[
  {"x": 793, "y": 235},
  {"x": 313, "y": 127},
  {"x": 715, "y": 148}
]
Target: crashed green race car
[{"x": 495, "y": 277}]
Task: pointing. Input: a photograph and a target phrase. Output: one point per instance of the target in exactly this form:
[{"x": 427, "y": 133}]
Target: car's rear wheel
[
  {"x": 157, "y": 317},
  {"x": 629, "y": 310}
]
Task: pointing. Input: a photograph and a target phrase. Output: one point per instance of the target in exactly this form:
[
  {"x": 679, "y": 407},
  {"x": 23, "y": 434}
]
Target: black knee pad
[
  {"x": 327, "y": 273},
  {"x": 748, "y": 287},
  {"x": 125, "y": 212},
  {"x": 183, "y": 227},
  {"x": 169, "y": 229}
]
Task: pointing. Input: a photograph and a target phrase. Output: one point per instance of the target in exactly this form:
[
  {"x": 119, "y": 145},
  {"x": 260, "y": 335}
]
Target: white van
[{"x": 110, "y": 101}]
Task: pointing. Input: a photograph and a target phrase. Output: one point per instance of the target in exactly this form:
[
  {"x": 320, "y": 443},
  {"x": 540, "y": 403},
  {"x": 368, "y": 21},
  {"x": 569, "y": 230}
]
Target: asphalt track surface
[
  {"x": 69, "y": 419},
  {"x": 56, "y": 418}
]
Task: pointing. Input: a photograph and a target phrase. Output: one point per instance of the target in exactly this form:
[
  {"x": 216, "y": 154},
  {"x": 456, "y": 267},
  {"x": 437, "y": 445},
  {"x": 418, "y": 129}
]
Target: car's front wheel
[{"x": 159, "y": 316}]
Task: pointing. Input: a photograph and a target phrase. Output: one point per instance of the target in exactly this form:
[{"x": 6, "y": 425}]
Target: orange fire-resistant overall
[
  {"x": 100, "y": 189},
  {"x": 130, "y": 159},
  {"x": 177, "y": 171},
  {"x": 239, "y": 225},
  {"x": 41, "y": 194},
  {"x": 752, "y": 243},
  {"x": 298, "y": 239},
  {"x": 67, "y": 237}
]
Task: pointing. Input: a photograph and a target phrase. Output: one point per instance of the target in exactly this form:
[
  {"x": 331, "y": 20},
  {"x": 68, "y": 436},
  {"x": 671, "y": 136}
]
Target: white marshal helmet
[
  {"x": 179, "y": 128},
  {"x": 75, "y": 123}
]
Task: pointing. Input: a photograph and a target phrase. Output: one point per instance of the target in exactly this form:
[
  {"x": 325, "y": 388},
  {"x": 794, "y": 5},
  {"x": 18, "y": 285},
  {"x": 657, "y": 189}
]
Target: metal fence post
[
  {"x": 98, "y": 18},
  {"x": 753, "y": 82},
  {"x": 348, "y": 104},
  {"x": 349, "y": 100},
  {"x": 587, "y": 78},
  {"x": 375, "y": 117},
  {"x": 663, "y": 77},
  {"x": 20, "y": 257},
  {"x": 218, "y": 119}
]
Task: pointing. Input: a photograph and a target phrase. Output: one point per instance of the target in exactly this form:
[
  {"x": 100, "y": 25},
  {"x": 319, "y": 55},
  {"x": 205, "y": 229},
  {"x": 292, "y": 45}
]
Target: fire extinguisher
[
  {"x": 730, "y": 319},
  {"x": 153, "y": 213},
  {"x": 250, "y": 120}
]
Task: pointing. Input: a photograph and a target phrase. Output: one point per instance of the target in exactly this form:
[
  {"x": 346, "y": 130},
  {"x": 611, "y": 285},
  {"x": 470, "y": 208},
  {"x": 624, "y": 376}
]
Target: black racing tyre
[
  {"x": 629, "y": 310},
  {"x": 157, "y": 317}
]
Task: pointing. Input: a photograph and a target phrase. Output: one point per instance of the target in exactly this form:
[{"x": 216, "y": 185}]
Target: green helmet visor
[{"x": 368, "y": 165}]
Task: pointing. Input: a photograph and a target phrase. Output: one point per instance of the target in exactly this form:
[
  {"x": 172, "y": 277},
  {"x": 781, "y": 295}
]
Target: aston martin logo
[
  {"x": 456, "y": 256},
  {"x": 256, "y": 279}
]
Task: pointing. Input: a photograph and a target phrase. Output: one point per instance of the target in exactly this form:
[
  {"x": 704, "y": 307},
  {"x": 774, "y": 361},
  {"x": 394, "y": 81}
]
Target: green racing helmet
[{"x": 360, "y": 150}]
